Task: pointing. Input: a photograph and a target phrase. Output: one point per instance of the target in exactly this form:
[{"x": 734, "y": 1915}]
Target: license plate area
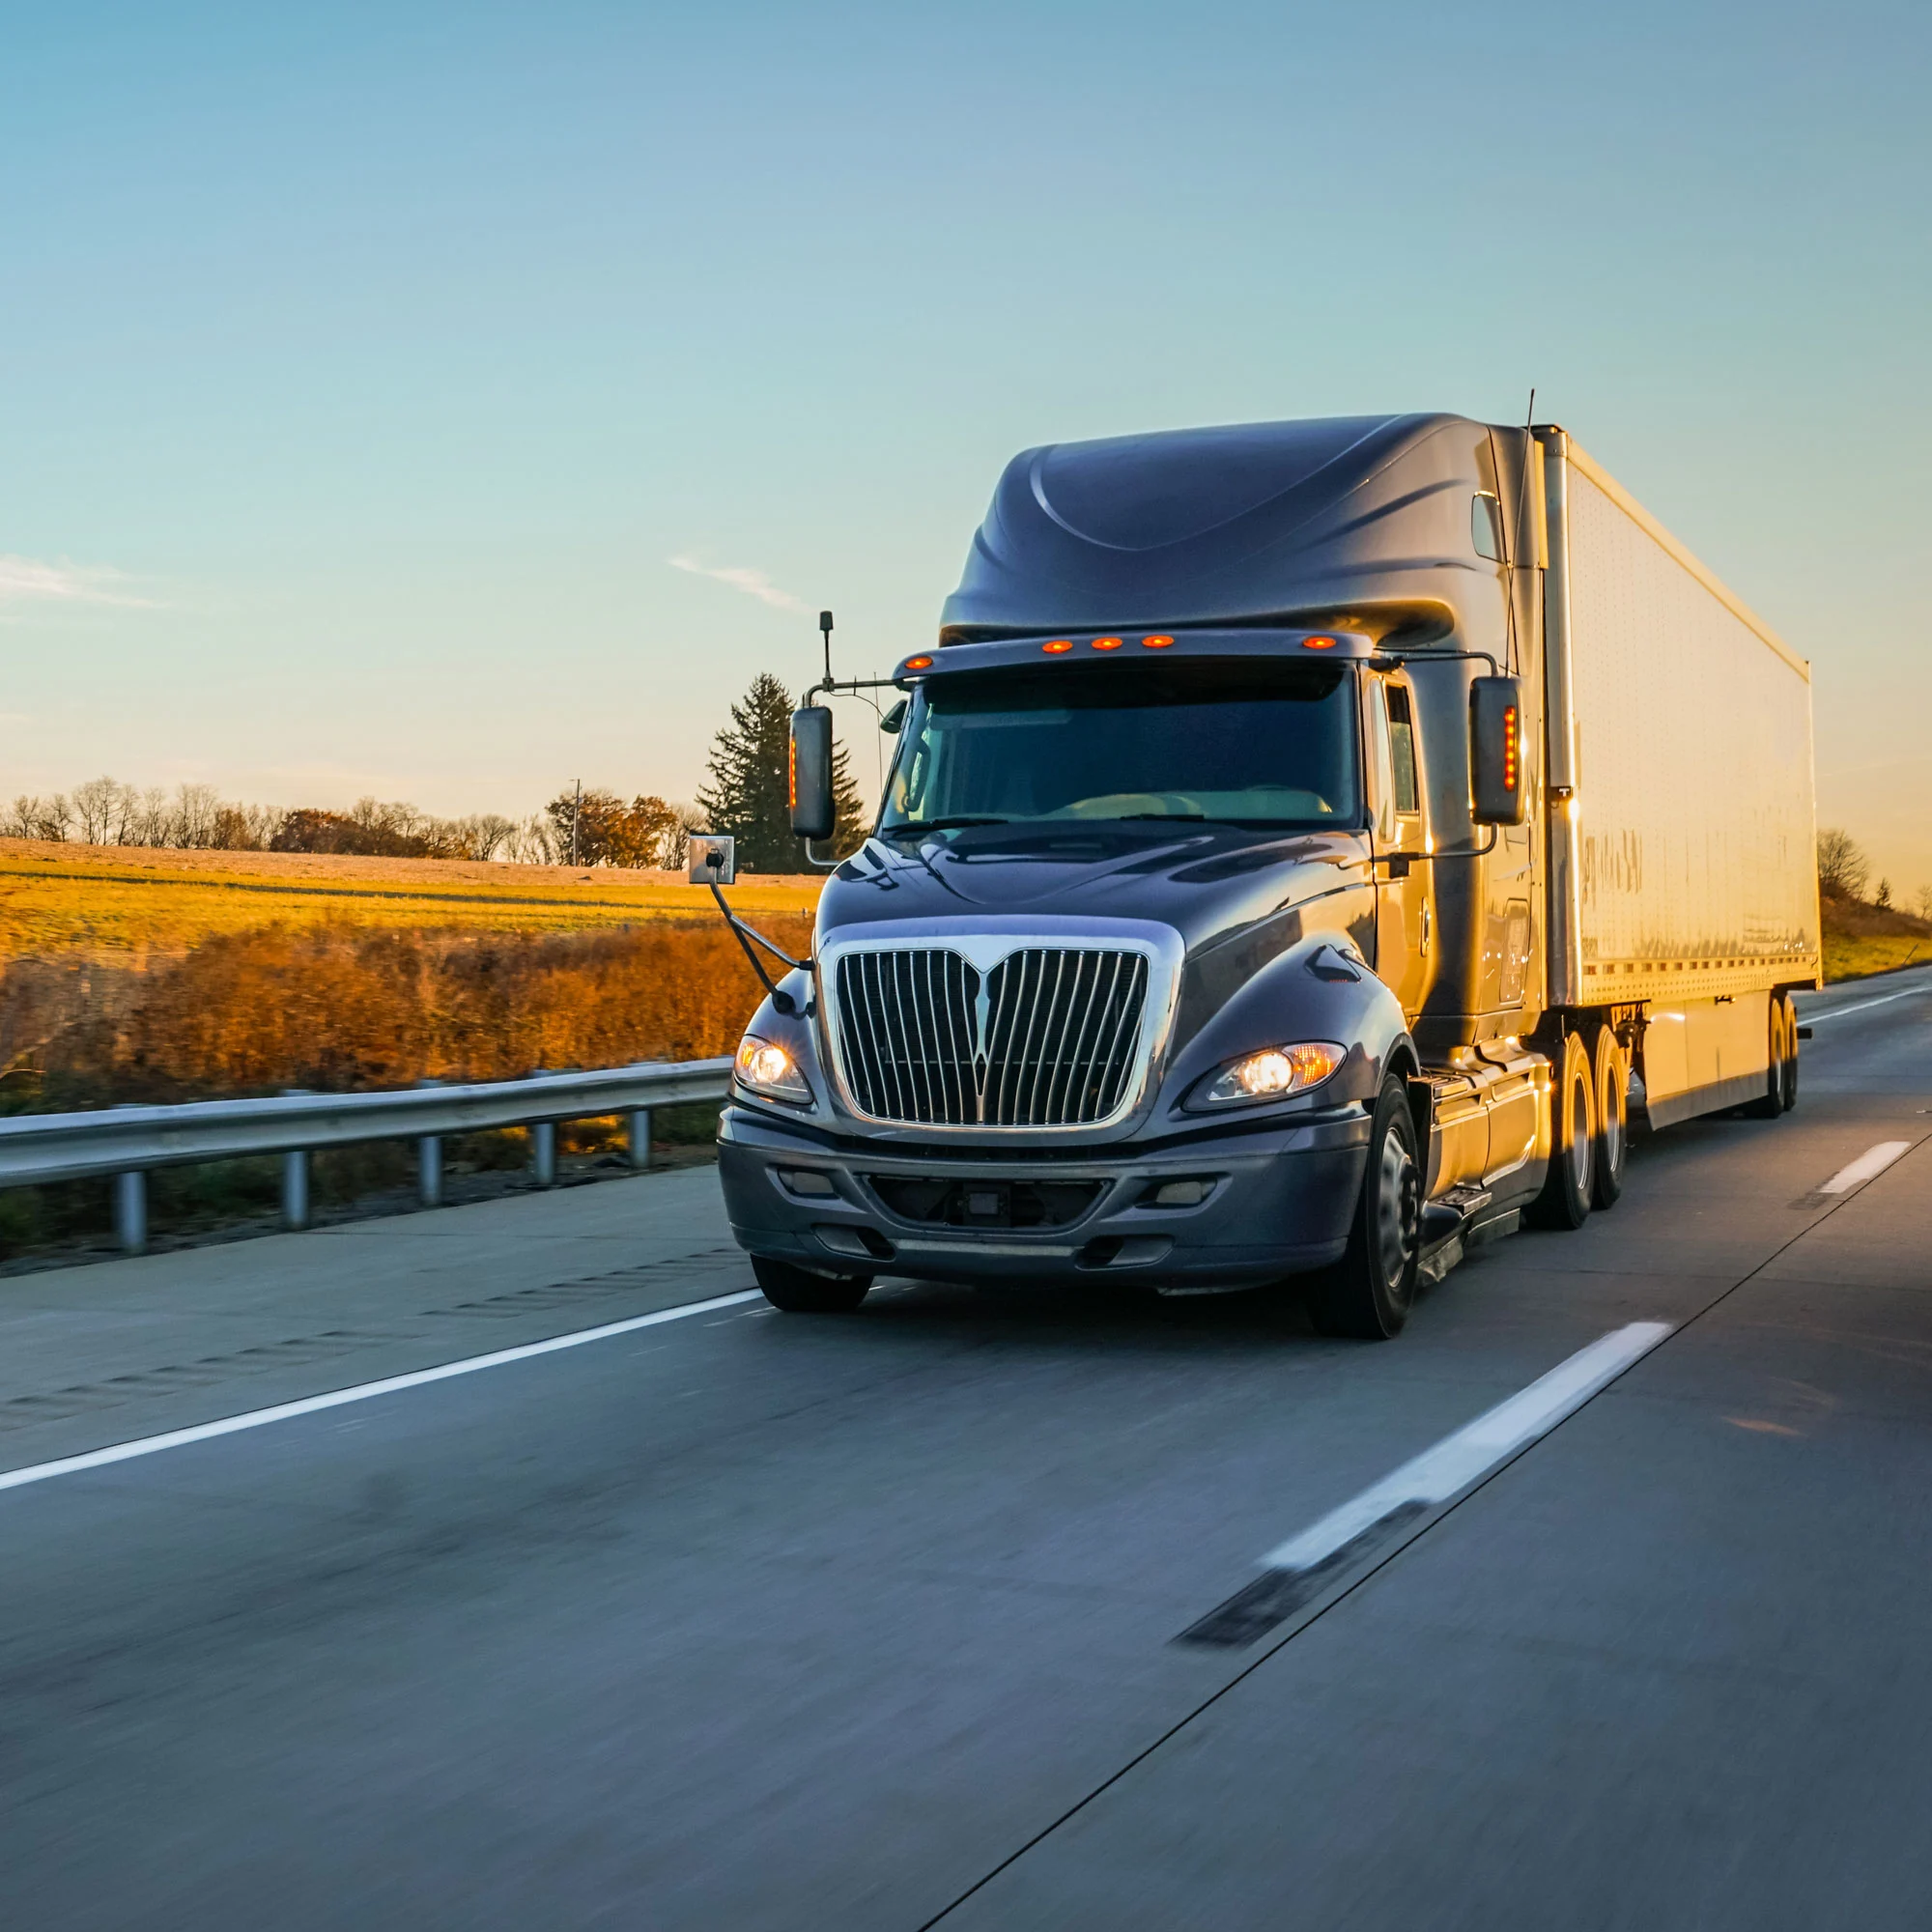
[{"x": 938, "y": 1202}]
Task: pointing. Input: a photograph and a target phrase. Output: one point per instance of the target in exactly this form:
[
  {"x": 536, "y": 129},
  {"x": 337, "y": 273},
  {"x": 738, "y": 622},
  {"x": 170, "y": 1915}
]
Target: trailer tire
[
  {"x": 1610, "y": 1079},
  {"x": 1366, "y": 1295},
  {"x": 800, "y": 1292},
  {"x": 1564, "y": 1205},
  {"x": 1780, "y": 1046},
  {"x": 1787, "y": 1081}
]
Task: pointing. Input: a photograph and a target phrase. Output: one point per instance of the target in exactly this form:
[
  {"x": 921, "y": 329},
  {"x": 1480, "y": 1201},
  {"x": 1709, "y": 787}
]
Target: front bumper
[{"x": 1280, "y": 1202}]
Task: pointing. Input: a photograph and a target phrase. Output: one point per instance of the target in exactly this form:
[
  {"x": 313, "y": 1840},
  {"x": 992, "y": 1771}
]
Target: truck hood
[{"x": 1206, "y": 882}]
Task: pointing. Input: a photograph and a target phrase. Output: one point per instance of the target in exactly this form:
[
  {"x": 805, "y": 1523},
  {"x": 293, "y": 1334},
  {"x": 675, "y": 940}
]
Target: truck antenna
[{"x": 825, "y": 626}]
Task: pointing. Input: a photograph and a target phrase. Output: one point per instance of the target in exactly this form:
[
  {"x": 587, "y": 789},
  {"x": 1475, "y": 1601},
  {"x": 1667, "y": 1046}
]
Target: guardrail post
[
  {"x": 640, "y": 1137},
  {"x": 295, "y": 1181},
  {"x": 543, "y": 1143},
  {"x": 131, "y": 1212},
  {"x": 294, "y": 1190},
  {"x": 429, "y": 1163}
]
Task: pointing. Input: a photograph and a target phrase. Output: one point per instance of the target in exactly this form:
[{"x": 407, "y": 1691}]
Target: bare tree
[
  {"x": 41, "y": 818},
  {"x": 676, "y": 854},
  {"x": 263, "y": 823},
  {"x": 1842, "y": 865},
  {"x": 197, "y": 808},
  {"x": 1923, "y": 899},
  {"x": 98, "y": 810},
  {"x": 479, "y": 837},
  {"x": 532, "y": 842}
]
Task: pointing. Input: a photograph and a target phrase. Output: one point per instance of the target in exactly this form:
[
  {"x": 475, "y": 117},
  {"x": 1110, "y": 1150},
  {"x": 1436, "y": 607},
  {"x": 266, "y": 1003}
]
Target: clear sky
[{"x": 449, "y": 402}]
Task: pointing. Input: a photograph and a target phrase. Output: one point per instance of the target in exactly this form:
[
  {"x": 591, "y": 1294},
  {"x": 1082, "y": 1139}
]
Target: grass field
[
  {"x": 128, "y": 903},
  {"x": 1852, "y": 957}
]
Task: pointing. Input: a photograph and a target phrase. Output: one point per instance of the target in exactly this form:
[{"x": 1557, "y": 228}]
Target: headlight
[
  {"x": 766, "y": 1067},
  {"x": 1271, "y": 1074}
]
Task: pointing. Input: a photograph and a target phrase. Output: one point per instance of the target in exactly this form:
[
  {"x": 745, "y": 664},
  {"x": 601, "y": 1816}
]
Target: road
[{"x": 737, "y": 1620}]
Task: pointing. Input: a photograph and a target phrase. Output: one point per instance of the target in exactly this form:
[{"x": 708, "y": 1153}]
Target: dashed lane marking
[
  {"x": 1868, "y": 1166},
  {"x": 1884, "y": 999},
  {"x": 1307, "y": 1565},
  {"x": 286, "y": 1411}
]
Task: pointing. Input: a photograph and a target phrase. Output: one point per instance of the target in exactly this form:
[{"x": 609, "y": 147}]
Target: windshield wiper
[
  {"x": 1135, "y": 817},
  {"x": 938, "y": 824}
]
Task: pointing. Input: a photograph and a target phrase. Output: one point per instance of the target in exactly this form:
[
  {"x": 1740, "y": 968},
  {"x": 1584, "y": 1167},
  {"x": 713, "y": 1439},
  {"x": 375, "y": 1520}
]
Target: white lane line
[
  {"x": 284, "y": 1411},
  {"x": 1873, "y": 1161},
  {"x": 1458, "y": 1460},
  {"x": 1839, "y": 1012},
  {"x": 1295, "y": 1572}
]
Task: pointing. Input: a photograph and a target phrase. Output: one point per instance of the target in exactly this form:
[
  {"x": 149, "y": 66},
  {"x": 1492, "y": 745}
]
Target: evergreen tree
[
  {"x": 748, "y": 794},
  {"x": 855, "y": 816}
]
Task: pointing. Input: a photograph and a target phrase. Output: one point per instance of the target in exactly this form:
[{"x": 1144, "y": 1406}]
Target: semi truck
[{"x": 1306, "y": 846}]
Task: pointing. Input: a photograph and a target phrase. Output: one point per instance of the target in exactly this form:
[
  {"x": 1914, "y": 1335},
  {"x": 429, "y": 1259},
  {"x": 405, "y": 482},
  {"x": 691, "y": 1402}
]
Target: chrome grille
[{"x": 1045, "y": 1038}]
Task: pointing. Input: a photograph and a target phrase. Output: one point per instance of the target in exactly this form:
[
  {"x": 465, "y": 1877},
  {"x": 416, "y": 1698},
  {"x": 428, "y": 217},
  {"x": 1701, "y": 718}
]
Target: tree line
[
  {"x": 1844, "y": 872},
  {"x": 746, "y": 794}
]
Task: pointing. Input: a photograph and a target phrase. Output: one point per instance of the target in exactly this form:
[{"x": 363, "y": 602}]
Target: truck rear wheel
[
  {"x": 1609, "y": 1076},
  {"x": 800, "y": 1292},
  {"x": 1367, "y": 1294},
  {"x": 1565, "y": 1201}
]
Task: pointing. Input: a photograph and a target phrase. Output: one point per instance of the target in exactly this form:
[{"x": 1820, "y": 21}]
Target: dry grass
[
  {"x": 1861, "y": 939},
  {"x": 128, "y": 973},
  {"x": 338, "y": 1006},
  {"x": 115, "y": 903}
]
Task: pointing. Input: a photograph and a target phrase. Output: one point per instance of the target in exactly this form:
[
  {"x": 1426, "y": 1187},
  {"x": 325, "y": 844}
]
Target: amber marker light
[
  {"x": 791, "y": 775},
  {"x": 1106, "y": 643},
  {"x": 1155, "y": 643},
  {"x": 919, "y": 664},
  {"x": 1509, "y": 747},
  {"x": 1058, "y": 645},
  {"x": 1317, "y": 644}
]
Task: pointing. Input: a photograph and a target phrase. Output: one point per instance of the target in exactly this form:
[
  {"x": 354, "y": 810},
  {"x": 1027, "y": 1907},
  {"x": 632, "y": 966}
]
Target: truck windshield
[{"x": 1246, "y": 742}]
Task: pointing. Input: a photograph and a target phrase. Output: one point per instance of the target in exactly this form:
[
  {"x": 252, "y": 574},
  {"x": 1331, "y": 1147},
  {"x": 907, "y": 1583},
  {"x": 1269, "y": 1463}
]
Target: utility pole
[{"x": 576, "y": 813}]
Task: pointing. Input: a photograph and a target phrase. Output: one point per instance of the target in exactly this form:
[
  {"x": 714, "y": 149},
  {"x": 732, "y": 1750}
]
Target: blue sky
[{"x": 365, "y": 371}]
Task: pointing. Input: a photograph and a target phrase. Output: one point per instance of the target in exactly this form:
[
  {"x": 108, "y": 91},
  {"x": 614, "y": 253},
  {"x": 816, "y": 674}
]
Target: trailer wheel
[
  {"x": 1367, "y": 1294},
  {"x": 1783, "y": 1048},
  {"x": 1787, "y": 1084},
  {"x": 1610, "y": 1080},
  {"x": 1565, "y": 1201},
  {"x": 800, "y": 1292}
]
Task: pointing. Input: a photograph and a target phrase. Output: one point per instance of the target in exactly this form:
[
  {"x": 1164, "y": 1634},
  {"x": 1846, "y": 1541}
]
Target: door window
[
  {"x": 1401, "y": 752},
  {"x": 1382, "y": 761}
]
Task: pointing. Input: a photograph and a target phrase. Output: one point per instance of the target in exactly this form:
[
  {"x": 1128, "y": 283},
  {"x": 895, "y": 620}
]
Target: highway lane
[{"x": 753, "y": 1621}]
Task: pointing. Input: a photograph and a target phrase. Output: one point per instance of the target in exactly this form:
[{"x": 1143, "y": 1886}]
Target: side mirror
[
  {"x": 714, "y": 859},
  {"x": 1497, "y": 794},
  {"x": 893, "y": 719},
  {"x": 812, "y": 811}
]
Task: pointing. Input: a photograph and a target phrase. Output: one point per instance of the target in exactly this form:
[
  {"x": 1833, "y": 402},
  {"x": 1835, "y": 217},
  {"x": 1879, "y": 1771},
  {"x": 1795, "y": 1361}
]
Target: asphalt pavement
[{"x": 717, "y": 1618}]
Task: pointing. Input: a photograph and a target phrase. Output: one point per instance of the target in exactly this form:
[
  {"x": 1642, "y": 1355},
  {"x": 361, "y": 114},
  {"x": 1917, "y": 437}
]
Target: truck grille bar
[{"x": 1045, "y": 1038}]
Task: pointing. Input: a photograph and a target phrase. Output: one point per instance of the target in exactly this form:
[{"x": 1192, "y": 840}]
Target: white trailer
[{"x": 1682, "y": 878}]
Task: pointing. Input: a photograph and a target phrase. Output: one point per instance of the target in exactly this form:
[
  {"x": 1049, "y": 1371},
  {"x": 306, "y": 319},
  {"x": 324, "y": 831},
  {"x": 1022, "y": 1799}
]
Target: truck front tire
[
  {"x": 1366, "y": 1295},
  {"x": 1565, "y": 1201},
  {"x": 800, "y": 1292}
]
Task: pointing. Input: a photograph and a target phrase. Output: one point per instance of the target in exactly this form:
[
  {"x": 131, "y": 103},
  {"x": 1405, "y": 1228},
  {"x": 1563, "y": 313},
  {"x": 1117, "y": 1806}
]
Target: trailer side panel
[{"x": 1694, "y": 834}]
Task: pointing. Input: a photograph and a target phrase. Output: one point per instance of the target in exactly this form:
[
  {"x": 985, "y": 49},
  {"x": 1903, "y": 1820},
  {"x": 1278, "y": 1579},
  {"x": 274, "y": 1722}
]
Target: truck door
[{"x": 1405, "y": 883}]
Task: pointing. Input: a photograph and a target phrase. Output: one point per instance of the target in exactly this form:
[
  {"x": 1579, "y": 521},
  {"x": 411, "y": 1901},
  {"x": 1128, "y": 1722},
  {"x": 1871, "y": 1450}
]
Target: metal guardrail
[{"x": 128, "y": 1141}]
